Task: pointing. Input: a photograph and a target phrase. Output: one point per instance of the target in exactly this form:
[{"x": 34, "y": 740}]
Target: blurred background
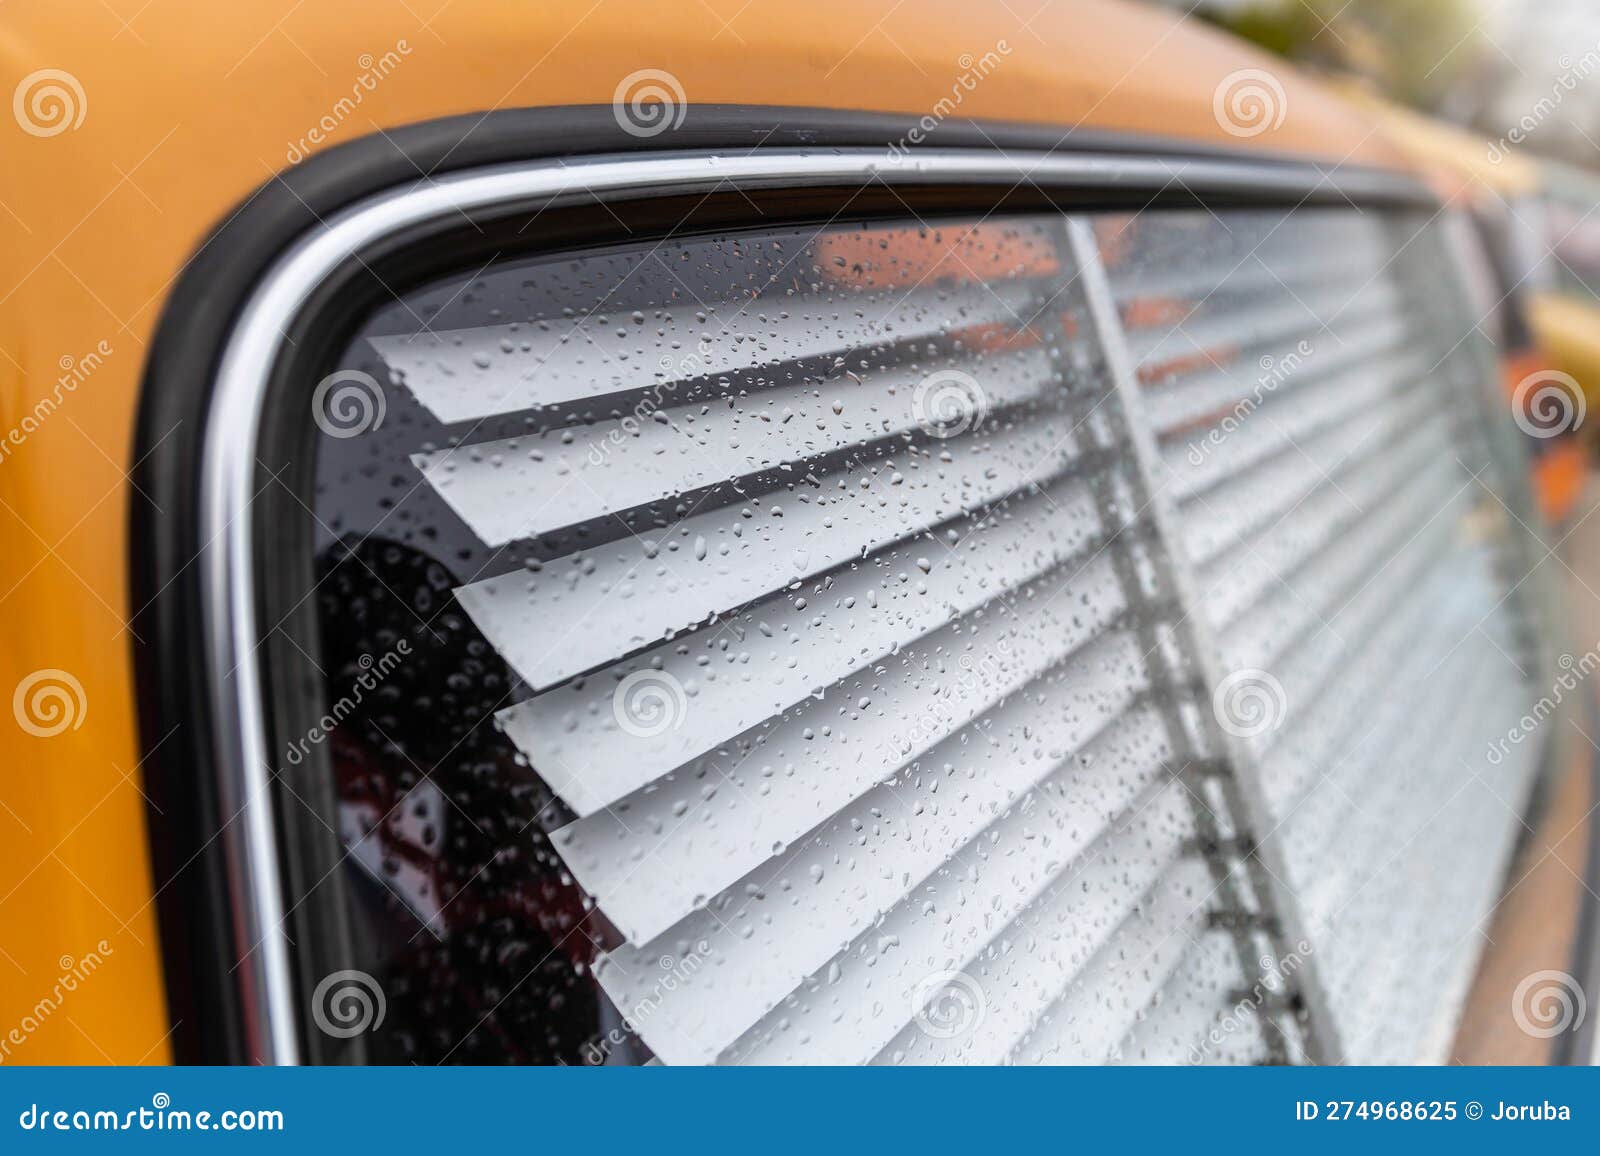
[
  {"x": 1499, "y": 101},
  {"x": 1481, "y": 64}
]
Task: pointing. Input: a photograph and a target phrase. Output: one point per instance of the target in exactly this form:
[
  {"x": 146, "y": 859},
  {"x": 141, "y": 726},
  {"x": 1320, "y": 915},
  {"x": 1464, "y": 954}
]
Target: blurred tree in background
[
  {"x": 1528, "y": 69},
  {"x": 1415, "y": 50}
]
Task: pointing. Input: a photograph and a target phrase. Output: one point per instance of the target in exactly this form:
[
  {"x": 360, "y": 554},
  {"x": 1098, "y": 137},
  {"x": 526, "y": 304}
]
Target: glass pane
[
  {"x": 1314, "y": 407},
  {"x": 776, "y": 665},
  {"x": 757, "y": 647}
]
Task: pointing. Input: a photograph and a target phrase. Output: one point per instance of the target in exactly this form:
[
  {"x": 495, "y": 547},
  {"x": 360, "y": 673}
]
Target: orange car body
[{"x": 184, "y": 109}]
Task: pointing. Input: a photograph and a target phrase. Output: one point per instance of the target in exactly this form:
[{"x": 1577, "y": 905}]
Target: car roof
[
  {"x": 245, "y": 77},
  {"x": 1454, "y": 160}
]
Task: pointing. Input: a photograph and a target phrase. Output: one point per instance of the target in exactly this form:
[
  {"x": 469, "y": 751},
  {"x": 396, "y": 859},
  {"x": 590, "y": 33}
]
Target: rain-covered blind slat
[
  {"x": 836, "y": 635},
  {"x": 1349, "y": 529},
  {"x": 805, "y": 661}
]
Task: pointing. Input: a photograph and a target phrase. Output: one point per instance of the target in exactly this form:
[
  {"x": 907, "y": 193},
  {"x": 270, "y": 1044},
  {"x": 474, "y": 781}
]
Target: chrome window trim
[{"x": 239, "y": 398}]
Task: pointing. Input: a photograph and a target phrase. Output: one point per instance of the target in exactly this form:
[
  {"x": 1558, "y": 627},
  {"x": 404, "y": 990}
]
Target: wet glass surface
[{"x": 754, "y": 650}]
